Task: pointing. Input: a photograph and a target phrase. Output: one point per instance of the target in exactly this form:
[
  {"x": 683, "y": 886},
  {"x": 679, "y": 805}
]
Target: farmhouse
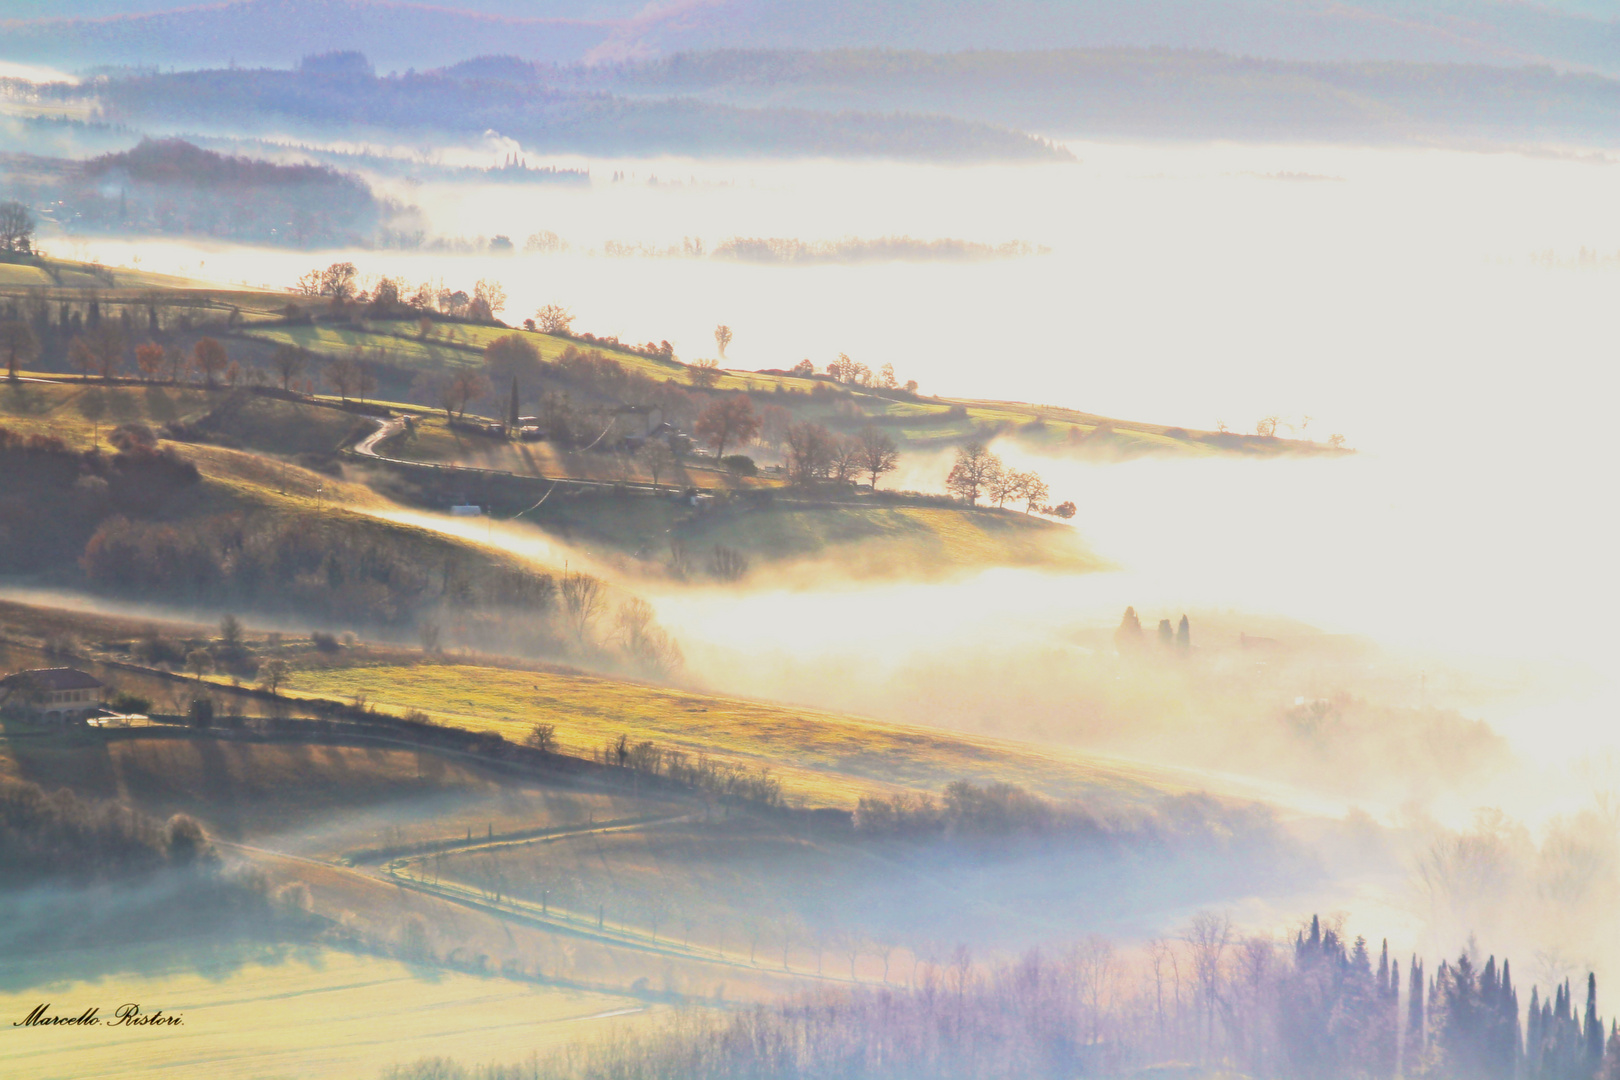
[{"x": 53, "y": 695}]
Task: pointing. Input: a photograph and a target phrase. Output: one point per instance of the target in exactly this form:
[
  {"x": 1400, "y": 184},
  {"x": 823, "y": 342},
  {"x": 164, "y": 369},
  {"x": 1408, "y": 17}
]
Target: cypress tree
[
  {"x": 1184, "y": 635},
  {"x": 1594, "y": 1027},
  {"x": 1512, "y": 1049},
  {"x": 512, "y": 409},
  {"x": 1129, "y": 634},
  {"x": 1392, "y": 1017},
  {"x": 1167, "y": 636},
  {"x": 1412, "y": 1044},
  {"x": 1532, "y": 1038}
]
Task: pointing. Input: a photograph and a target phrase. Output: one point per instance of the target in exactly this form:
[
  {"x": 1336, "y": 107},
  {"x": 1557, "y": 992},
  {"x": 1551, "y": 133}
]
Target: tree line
[
  {"x": 977, "y": 473},
  {"x": 60, "y": 838},
  {"x": 1210, "y": 1000}
]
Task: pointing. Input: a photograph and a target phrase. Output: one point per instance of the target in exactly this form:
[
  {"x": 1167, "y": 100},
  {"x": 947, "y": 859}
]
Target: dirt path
[{"x": 386, "y": 429}]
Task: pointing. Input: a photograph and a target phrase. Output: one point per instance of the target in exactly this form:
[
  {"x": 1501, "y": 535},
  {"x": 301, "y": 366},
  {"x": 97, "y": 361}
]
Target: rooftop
[{"x": 55, "y": 678}]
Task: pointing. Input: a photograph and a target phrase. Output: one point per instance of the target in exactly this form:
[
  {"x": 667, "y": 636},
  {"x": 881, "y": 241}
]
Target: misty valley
[{"x": 594, "y": 545}]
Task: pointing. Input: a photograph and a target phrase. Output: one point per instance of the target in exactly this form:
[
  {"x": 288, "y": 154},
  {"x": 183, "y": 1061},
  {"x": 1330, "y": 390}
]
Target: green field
[{"x": 80, "y": 412}]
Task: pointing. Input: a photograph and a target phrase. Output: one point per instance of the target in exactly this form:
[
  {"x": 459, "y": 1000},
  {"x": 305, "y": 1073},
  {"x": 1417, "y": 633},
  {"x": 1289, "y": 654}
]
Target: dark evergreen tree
[
  {"x": 1593, "y": 1028},
  {"x": 1416, "y": 1035}
]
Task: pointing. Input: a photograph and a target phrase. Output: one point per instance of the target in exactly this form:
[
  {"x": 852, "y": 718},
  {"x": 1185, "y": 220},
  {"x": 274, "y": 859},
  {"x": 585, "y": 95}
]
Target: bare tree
[
  {"x": 199, "y": 662},
  {"x": 16, "y": 228},
  {"x": 543, "y": 737},
  {"x": 491, "y": 294},
  {"x": 875, "y": 454},
  {"x": 658, "y": 458},
  {"x": 1004, "y": 484},
  {"x": 810, "y": 448},
  {"x": 727, "y": 564},
  {"x": 584, "y": 598},
  {"x": 703, "y": 373},
  {"x": 972, "y": 473},
  {"x": 273, "y": 674},
  {"x": 81, "y": 355},
  {"x": 343, "y": 373},
  {"x": 289, "y": 362},
  {"x": 648, "y": 645},
  {"x": 553, "y": 319},
  {"x": 338, "y": 282},
  {"x": 1208, "y": 936},
  {"x": 106, "y": 344},
  {"x": 1034, "y": 491},
  {"x": 851, "y": 943},
  {"x": 18, "y": 343},
  {"x": 844, "y": 458},
  {"x": 722, "y": 338}
]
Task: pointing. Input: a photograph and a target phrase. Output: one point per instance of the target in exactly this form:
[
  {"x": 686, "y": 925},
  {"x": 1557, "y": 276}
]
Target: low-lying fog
[{"x": 1449, "y": 312}]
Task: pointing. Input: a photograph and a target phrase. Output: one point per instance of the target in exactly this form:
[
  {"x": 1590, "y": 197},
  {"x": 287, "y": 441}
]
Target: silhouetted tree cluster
[
  {"x": 172, "y": 186},
  {"x": 341, "y": 571},
  {"x": 1211, "y": 1003},
  {"x": 63, "y": 838},
  {"x": 724, "y": 780}
]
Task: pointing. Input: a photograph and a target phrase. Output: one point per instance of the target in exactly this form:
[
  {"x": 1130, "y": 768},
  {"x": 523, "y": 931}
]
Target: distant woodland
[
  {"x": 544, "y": 117},
  {"x": 170, "y": 186}
]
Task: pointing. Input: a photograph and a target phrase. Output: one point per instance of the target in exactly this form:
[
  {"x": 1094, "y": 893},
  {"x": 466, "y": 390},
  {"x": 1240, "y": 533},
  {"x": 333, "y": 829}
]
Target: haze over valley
[{"x": 722, "y": 541}]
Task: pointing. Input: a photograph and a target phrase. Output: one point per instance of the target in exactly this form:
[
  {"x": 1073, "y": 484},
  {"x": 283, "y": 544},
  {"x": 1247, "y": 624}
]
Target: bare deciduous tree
[
  {"x": 657, "y": 457},
  {"x": 809, "y": 452},
  {"x": 16, "y": 228},
  {"x": 1208, "y": 936},
  {"x": 876, "y": 454},
  {"x": 289, "y": 362},
  {"x": 973, "y": 472},
  {"x": 18, "y": 343},
  {"x": 1034, "y": 491},
  {"x": 583, "y": 598},
  {"x": 722, "y": 338},
  {"x": 703, "y": 373},
  {"x": 727, "y": 564},
  {"x": 553, "y": 319}
]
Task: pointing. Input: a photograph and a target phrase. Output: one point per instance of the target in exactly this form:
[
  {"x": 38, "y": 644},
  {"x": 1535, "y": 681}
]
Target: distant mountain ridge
[
  {"x": 1066, "y": 93},
  {"x": 402, "y": 34},
  {"x": 543, "y": 118}
]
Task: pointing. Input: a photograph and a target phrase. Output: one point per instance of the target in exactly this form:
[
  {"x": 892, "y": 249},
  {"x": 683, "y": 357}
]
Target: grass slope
[{"x": 822, "y": 758}]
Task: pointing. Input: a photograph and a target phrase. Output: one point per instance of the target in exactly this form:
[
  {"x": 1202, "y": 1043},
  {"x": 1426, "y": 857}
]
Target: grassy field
[
  {"x": 432, "y": 439},
  {"x": 84, "y": 412},
  {"x": 299, "y": 1014},
  {"x": 823, "y": 759},
  {"x": 850, "y": 539}
]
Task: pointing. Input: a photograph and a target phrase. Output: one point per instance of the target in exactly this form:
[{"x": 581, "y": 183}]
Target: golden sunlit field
[
  {"x": 821, "y": 758},
  {"x": 288, "y": 1013}
]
